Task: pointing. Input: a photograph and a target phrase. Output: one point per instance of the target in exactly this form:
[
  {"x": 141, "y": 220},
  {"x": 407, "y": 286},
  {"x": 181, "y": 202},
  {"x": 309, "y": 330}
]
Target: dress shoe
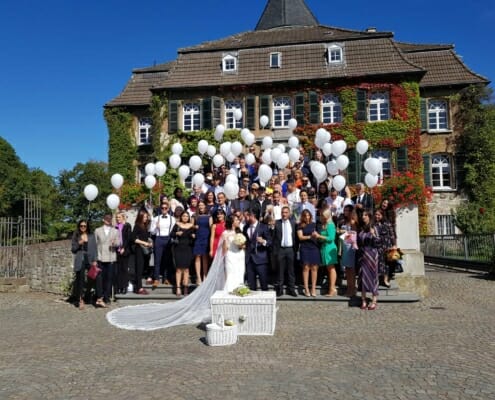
[
  {"x": 292, "y": 292},
  {"x": 279, "y": 292},
  {"x": 155, "y": 284}
]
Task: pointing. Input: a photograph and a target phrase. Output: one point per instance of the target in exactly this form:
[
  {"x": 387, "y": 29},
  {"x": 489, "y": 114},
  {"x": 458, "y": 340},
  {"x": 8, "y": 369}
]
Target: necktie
[
  {"x": 251, "y": 231},
  {"x": 285, "y": 234},
  {"x": 164, "y": 216}
]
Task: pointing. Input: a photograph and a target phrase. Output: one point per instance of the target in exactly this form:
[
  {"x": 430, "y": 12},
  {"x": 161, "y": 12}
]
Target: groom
[{"x": 258, "y": 241}]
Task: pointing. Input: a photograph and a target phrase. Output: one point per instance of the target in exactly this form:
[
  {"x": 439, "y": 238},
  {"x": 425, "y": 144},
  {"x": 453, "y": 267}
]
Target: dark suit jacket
[
  {"x": 216, "y": 207},
  {"x": 257, "y": 253},
  {"x": 367, "y": 201},
  {"x": 236, "y": 204},
  {"x": 259, "y": 209},
  {"x": 277, "y": 235}
]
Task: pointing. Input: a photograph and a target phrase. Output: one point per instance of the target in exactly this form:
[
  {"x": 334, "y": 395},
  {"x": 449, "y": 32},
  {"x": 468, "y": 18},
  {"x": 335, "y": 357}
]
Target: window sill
[
  {"x": 443, "y": 190},
  {"x": 439, "y": 132}
]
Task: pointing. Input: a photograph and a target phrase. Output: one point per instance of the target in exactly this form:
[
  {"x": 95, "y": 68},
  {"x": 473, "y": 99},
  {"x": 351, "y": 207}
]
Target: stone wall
[{"x": 442, "y": 203}]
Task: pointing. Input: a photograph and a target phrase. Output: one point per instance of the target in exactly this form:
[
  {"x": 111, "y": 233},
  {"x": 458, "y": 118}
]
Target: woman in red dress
[{"x": 217, "y": 229}]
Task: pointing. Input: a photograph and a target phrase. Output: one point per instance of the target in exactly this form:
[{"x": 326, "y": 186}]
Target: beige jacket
[{"x": 106, "y": 245}]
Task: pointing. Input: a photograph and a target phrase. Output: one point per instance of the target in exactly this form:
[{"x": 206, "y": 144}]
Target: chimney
[{"x": 371, "y": 29}]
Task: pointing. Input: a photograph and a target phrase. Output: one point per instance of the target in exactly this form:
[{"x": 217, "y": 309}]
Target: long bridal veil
[{"x": 192, "y": 309}]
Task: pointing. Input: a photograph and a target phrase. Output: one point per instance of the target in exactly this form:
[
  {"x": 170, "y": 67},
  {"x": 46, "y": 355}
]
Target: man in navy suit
[
  {"x": 284, "y": 243},
  {"x": 258, "y": 241}
]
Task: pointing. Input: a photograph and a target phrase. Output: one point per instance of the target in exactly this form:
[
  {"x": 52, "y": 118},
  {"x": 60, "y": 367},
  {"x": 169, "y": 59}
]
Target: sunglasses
[{"x": 82, "y": 226}]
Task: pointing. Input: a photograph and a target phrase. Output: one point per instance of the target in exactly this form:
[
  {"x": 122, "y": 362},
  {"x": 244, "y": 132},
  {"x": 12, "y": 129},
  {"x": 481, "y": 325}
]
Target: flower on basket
[
  {"x": 239, "y": 239},
  {"x": 241, "y": 291},
  {"x": 229, "y": 322}
]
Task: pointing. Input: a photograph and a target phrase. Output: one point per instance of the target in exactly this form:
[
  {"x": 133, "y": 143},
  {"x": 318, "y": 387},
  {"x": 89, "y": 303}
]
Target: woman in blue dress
[
  {"x": 200, "y": 249},
  {"x": 348, "y": 227},
  {"x": 309, "y": 251}
]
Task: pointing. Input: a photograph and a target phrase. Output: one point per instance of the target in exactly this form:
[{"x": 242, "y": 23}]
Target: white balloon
[
  {"x": 362, "y": 146},
  {"x": 198, "y": 179},
  {"x": 338, "y": 147},
  {"x": 202, "y": 146},
  {"x": 90, "y": 192},
  {"x": 117, "y": 181},
  {"x": 230, "y": 157},
  {"x": 374, "y": 166},
  {"x": 264, "y": 121},
  {"x": 267, "y": 142},
  {"x": 231, "y": 178},
  {"x": 327, "y": 149},
  {"x": 281, "y": 146},
  {"x": 149, "y": 169},
  {"x": 237, "y": 114},
  {"x": 218, "y": 160},
  {"x": 160, "y": 168},
  {"x": 249, "y": 140},
  {"x": 371, "y": 180},
  {"x": 265, "y": 172},
  {"x": 225, "y": 148},
  {"x": 322, "y": 135},
  {"x": 342, "y": 162},
  {"x": 283, "y": 160},
  {"x": 338, "y": 182},
  {"x": 332, "y": 167},
  {"x": 184, "y": 172},
  {"x": 267, "y": 156},
  {"x": 174, "y": 160},
  {"x": 293, "y": 142},
  {"x": 275, "y": 154},
  {"x": 231, "y": 189},
  {"x": 195, "y": 163},
  {"x": 250, "y": 159},
  {"x": 219, "y": 130},
  {"x": 177, "y": 149},
  {"x": 211, "y": 150},
  {"x": 150, "y": 181},
  {"x": 319, "y": 171},
  {"x": 236, "y": 148},
  {"x": 292, "y": 124},
  {"x": 113, "y": 201},
  {"x": 244, "y": 133},
  {"x": 294, "y": 154}
]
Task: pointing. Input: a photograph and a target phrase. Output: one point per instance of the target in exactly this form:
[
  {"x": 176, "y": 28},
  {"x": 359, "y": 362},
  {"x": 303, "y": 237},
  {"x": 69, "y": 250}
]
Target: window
[
  {"x": 230, "y": 107},
  {"x": 384, "y": 156},
  {"x": 437, "y": 115},
  {"x": 141, "y": 173},
  {"x": 378, "y": 107},
  {"x": 275, "y": 60},
  {"x": 445, "y": 225},
  {"x": 281, "y": 112},
  {"x": 229, "y": 63},
  {"x": 144, "y": 131},
  {"x": 441, "y": 175},
  {"x": 331, "y": 109},
  {"x": 335, "y": 55},
  {"x": 191, "y": 115}
]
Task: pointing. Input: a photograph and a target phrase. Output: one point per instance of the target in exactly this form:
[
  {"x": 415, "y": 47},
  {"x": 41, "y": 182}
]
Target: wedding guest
[
  {"x": 323, "y": 191},
  {"x": 328, "y": 249},
  {"x": 183, "y": 237},
  {"x": 123, "y": 251},
  {"x": 362, "y": 200},
  {"x": 386, "y": 234},
  {"x": 178, "y": 200},
  {"x": 306, "y": 205},
  {"x": 335, "y": 202},
  {"x": 258, "y": 205},
  {"x": 348, "y": 227},
  {"x": 83, "y": 246},
  {"x": 293, "y": 196},
  {"x": 200, "y": 249},
  {"x": 241, "y": 203},
  {"x": 222, "y": 204},
  {"x": 210, "y": 201},
  {"x": 309, "y": 250},
  {"x": 216, "y": 230},
  {"x": 140, "y": 237}
]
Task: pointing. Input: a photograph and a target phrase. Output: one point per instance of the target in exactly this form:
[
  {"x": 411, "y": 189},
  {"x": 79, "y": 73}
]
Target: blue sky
[{"x": 62, "y": 60}]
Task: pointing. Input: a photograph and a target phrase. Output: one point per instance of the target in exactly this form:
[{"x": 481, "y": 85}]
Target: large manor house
[{"x": 357, "y": 84}]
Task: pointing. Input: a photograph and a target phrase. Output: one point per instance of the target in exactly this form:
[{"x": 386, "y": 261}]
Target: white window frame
[
  {"x": 229, "y": 107},
  {"x": 378, "y": 107},
  {"x": 229, "y": 63},
  {"x": 441, "y": 171},
  {"x": 438, "y": 115},
  {"x": 330, "y": 105},
  {"x": 335, "y": 54},
  {"x": 281, "y": 111},
  {"x": 144, "y": 131},
  {"x": 278, "y": 58},
  {"x": 191, "y": 117},
  {"x": 445, "y": 225},
  {"x": 385, "y": 157}
]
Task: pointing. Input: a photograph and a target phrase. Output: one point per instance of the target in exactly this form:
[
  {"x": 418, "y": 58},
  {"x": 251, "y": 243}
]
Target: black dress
[{"x": 183, "y": 248}]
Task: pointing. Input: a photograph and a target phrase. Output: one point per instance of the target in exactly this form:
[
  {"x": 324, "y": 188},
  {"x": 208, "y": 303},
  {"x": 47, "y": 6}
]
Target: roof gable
[{"x": 278, "y": 13}]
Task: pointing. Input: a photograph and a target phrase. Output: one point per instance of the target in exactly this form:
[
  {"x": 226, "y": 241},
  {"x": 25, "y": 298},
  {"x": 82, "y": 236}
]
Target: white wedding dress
[{"x": 192, "y": 309}]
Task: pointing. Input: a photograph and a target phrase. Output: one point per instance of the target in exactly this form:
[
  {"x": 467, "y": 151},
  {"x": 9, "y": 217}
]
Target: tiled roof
[
  {"x": 137, "y": 91},
  {"x": 285, "y": 13},
  {"x": 414, "y": 47},
  {"x": 444, "y": 67}
]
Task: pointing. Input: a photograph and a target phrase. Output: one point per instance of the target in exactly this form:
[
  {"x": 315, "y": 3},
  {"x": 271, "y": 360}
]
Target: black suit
[
  {"x": 259, "y": 208},
  {"x": 366, "y": 202},
  {"x": 285, "y": 256},
  {"x": 240, "y": 205},
  {"x": 257, "y": 255}
]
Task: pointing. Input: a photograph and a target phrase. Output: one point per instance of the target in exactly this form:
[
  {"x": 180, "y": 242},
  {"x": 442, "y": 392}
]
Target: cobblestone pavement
[{"x": 440, "y": 348}]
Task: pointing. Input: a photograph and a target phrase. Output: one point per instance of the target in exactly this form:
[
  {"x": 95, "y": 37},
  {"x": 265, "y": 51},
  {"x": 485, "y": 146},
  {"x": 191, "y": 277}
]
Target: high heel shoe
[
  {"x": 313, "y": 293},
  {"x": 306, "y": 293},
  {"x": 364, "y": 306},
  {"x": 331, "y": 293},
  {"x": 372, "y": 306},
  {"x": 178, "y": 292}
]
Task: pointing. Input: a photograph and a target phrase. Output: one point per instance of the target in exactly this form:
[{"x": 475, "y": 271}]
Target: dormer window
[
  {"x": 275, "y": 60},
  {"x": 229, "y": 63},
  {"x": 335, "y": 54}
]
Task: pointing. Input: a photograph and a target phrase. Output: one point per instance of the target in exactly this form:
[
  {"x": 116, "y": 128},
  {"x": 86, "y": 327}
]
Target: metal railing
[{"x": 466, "y": 251}]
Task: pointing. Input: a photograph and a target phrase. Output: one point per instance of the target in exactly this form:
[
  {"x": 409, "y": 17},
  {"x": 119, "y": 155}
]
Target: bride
[{"x": 226, "y": 273}]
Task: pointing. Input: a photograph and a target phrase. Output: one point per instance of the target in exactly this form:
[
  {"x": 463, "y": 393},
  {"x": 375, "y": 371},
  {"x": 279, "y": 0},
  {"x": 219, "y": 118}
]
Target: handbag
[
  {"x": 93, "y": 271},
  {"x": 146, "y": 250}
]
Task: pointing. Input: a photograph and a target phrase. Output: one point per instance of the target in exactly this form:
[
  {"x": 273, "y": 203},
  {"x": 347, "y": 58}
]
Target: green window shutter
[
  {"x": 299, "y": 108},
  {"x": 314, "y": 108},
  {"x": 423, "y": 114},
  {"x": 354, "y": 168},
  {"x": 206, "y": 114},
  {"x": 265, "y": 109},
  {"x": 447, "y": 110},
  {"x": 250, "y": 113},
  {"x": 173, "y": 117},
  {"x": 402, "y": 159},
  {"x": 427, "y": 169},
  {"x": 215, "y": 112},
  {"x": 361, "y": 97}
]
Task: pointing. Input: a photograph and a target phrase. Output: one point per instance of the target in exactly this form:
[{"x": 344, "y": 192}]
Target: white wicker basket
[{"x": 217, "y": 334}]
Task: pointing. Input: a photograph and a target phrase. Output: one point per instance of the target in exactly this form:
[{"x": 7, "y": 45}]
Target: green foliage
[
  {"x": 159, "y": 113},
  {"x": 121, "y": 142}
]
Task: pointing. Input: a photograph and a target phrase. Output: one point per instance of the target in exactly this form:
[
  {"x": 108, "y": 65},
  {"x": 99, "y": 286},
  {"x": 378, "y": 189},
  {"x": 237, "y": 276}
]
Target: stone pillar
[{"x": 407, "y": 226}]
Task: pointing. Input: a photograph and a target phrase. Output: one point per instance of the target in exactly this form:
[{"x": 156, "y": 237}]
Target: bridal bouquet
[
  {"x": 241, "y": 291},
  {"x": 239, "y": 240}
]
